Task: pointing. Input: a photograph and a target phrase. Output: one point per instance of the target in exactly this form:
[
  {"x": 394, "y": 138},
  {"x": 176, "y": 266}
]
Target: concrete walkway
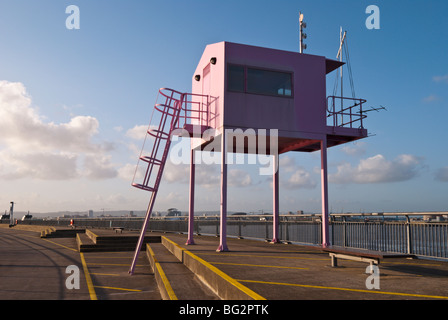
[
  {"x": 291, "y": 272},
  {"x": 35, "y": 268}
]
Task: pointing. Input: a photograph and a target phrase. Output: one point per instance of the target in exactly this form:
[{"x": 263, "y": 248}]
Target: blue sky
[{"x": 72, "y": 102}]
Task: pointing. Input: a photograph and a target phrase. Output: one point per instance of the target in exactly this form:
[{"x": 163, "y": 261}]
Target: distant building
[
  {"x": 173, "y": 212},
  {"x": 27, "y": 216},
  {"x": 90, "y": 213}
]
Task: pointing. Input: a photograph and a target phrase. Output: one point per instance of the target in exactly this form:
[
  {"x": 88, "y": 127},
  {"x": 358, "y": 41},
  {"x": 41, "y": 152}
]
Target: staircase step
[
  {"x": 91, "y": 242},
  {"x": 184, "y": 283},
  {"x": 60, "y": 233}
]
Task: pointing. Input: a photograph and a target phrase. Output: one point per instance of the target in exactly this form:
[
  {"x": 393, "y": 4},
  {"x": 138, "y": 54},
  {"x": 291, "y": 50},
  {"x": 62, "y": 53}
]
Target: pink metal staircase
[{"x": 176, "y": 111}]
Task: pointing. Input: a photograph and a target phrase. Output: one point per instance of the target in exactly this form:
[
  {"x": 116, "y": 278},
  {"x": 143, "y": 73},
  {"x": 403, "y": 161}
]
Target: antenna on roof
[
  {"x": 378, "y": 109},
  {"x": 302, "y": 35},
  {"x": 344, "y": 51}
]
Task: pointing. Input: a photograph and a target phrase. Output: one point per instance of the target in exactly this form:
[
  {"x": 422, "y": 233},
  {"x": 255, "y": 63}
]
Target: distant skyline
[{"x": 73, "y": 102}]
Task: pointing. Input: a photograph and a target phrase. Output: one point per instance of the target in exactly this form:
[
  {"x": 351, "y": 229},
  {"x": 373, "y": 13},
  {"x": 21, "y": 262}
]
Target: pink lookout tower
[{"x": 279, "y": 97}]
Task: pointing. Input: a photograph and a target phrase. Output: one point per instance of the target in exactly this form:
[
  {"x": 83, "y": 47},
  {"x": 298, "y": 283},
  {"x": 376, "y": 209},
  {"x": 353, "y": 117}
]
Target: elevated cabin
[{"x": 251, "y": 87}]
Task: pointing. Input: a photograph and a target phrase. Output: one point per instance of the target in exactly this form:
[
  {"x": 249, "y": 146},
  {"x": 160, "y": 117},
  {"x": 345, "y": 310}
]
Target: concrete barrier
[
  {"x": 220, "y": 283},
  {"x": 166, "y": 291}
]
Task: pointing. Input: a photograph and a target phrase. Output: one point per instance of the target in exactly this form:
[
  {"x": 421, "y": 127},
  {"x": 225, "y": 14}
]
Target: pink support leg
[
  {"x": 223, "y": 220},
  {"x": 190, "y": 240},
  {"x": 275, "y": 188},
  {"x": 324, "y": 184}
]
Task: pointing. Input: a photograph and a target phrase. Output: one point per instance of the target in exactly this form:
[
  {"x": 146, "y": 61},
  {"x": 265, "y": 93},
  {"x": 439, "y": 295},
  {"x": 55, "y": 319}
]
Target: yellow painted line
[
  {"x": 163, "y": 277},
  {"x": 229, "y": 279},
  {"x": 114, "y": 264},
  {"x": 90, "y": 231},
  {"x": 223, "y": 275},
  {"x": 166, "y": 283},
  {"x": 412, "y": 263},
  {"x": 348, "y": 289},
  {"x": 88, "y": 278},
  {"x": 257, "y": 256},
  {"x": 96, "y": 257},
  {"x": 257, "y": 265},
  {"x": 61, "y": 245},
  {"x": 122, "y": 289}
]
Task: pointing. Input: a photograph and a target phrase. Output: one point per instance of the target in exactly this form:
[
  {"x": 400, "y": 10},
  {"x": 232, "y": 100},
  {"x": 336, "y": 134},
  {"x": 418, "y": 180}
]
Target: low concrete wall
[
  {"x": 220, "y": 283},
  {"x": 166, "y": 291}
]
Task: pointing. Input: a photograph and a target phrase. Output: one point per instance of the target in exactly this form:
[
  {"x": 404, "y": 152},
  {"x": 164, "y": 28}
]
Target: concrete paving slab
[
  {"x": 292, "y": 272},
  {"x": 34, "y": 268}
]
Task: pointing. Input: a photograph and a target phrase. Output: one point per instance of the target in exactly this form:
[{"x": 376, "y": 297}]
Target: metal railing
[
  {"x": 194, "y": 108},
  {"x": 404, "y": 233},
  {"x": 346, "y": 116}
]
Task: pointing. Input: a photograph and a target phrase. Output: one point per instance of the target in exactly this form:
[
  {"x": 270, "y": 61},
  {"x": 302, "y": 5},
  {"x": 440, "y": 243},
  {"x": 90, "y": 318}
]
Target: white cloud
[
  {"x": 127, "y": 172},
  {"x": 300, "y": 179},
  {"x": 297, "y": 177},
  {"x": 41, "y": 166},
  {"x": 355, "y": 149},
  {"x": 442, "y": 174},
  {"x": 286, "y": 163},
  {"x": 431, "y": 98},
  {"x": 443, "y": 78},
  {"x": 176, "y": 173},
  {"x": 37, "y": 149},
  {"x": 137, "y": 133},
  {"x": 378, "y": 169},
  {"x": 207, "y": 176},
  {"x": 22, "y": 128},
  {"x": 99, "y": 167},
  {"x": 239, "y": 178}
]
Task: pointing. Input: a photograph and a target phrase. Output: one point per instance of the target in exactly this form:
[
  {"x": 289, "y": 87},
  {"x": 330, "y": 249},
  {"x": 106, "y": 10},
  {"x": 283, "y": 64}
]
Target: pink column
[
  {"x": 324, "y": 184},
  {"x": 191, "y": 207},
  {"x": 275, "y": 189},
  {"x": 223, "y": 220}
]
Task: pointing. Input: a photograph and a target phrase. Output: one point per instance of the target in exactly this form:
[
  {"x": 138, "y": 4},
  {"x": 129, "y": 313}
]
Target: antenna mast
[
  {"x": 339, "y": 55},
  {"x": 302, "y": 35}
]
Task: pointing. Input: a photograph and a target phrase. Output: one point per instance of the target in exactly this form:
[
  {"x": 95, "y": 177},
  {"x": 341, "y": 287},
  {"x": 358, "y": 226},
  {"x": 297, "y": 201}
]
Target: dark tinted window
[
  {"x": 269, "y": 82},
  {"x": 235, "y": 78}
]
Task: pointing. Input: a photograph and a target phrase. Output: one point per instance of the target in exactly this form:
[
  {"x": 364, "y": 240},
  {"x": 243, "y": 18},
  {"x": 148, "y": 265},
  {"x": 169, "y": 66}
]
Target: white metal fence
[{"x": 392, "y": 233}]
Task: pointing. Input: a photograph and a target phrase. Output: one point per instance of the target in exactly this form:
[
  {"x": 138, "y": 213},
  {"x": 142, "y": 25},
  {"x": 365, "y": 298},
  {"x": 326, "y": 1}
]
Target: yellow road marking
[
  {"x": 96, "y": 257},
  {"x": 61, "y": 245},
  {"x": 166, "y": 283},
  {"x": 257, "y": 265},
  {"x": 122, "y": 289},
  {"x": 229, "y": 279},
  {"x": 163, "y": 277},
  {"x": 256, "y": 256},
  {"x": 412, "y": 263},
  {"x": 113, "y": 264},
  {"x": 348, "y": 289},
  {"x": 88, "y": 278}
]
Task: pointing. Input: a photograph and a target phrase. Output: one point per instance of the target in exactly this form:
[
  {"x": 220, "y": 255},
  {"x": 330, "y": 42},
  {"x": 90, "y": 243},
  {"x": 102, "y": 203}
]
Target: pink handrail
[{"x": 193, "y": 106}]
